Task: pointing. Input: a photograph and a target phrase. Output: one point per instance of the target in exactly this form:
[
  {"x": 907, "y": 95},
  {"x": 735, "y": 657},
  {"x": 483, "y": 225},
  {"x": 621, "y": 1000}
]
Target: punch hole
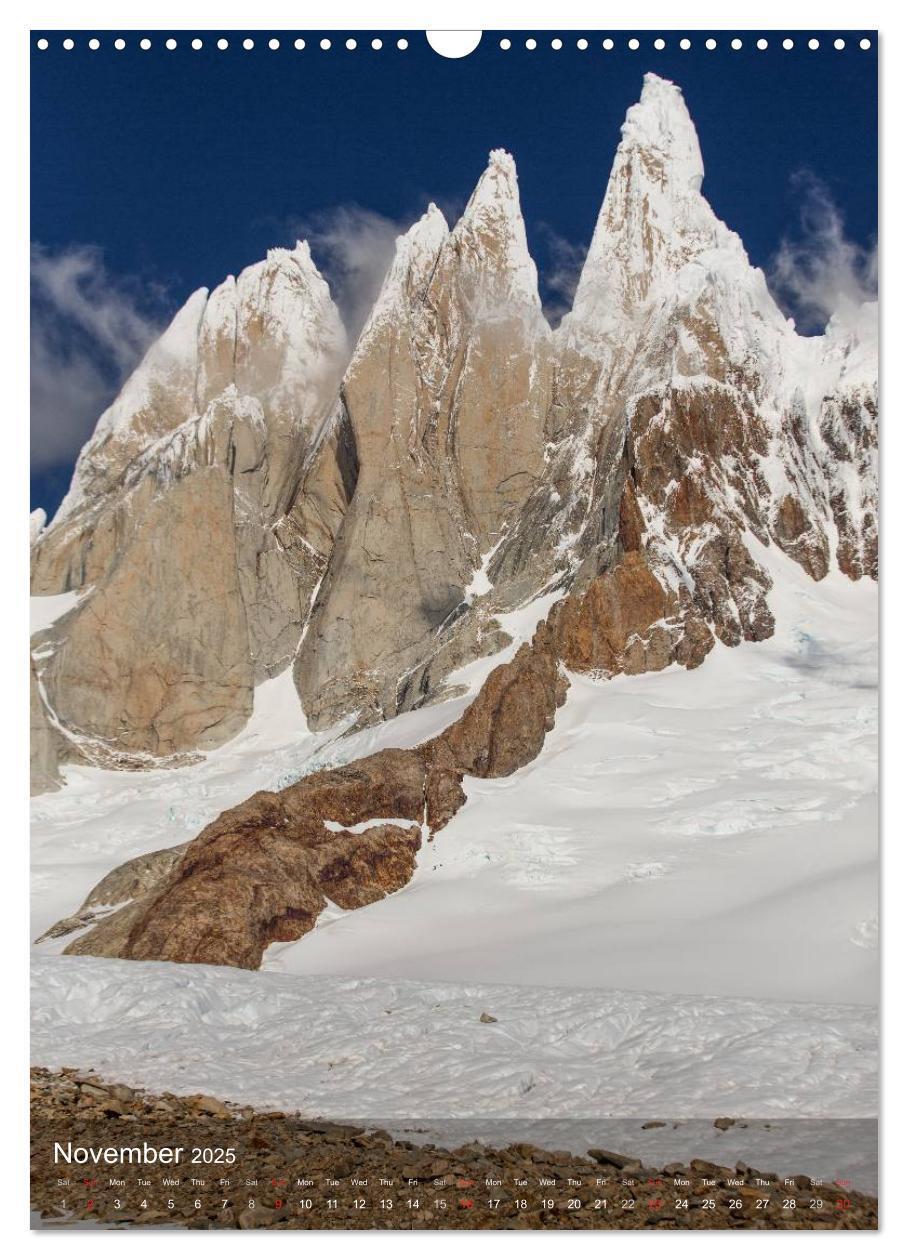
[{"x": 453, "y": 44}]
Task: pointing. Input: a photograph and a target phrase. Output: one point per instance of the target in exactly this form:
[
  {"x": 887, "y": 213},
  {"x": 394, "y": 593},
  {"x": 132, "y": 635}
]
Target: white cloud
[
  {"x": 88, "y": 331},
  {"x": 822, "y": 272},
  {"x": 354, "y": 248},
  {"x": 560, "y": 274}
]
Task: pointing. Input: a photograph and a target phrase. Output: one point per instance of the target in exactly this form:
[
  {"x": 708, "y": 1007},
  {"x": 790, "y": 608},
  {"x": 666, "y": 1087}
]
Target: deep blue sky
[{"x": 183, "y": 166}]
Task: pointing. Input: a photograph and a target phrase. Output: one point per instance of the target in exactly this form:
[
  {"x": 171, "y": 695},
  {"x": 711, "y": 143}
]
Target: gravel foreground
[{"x": 290, "y": 1172}]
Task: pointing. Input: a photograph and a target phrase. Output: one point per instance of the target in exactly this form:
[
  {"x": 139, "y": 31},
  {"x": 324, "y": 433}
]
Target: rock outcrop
[
  {"x": 447, "y": 397},
  {"x": 264, "y": 871},
  {"x": 182, "y": 527},
  {"x": 125, "y": 883}
]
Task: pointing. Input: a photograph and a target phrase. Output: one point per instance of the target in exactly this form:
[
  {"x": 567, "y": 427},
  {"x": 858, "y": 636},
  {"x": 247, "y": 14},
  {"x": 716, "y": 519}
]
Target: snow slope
[
  {"x": 103, "y": 817},
  {"x": 682, "y": 834},
  {"x": 44, "y": 610},
  {"x": 704, "y": 832}
]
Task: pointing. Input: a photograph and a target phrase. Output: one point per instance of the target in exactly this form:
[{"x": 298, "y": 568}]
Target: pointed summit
[
  {"x": 496, "y": 189},
  {"x": 490, "y": 242},
  {"x": 415, "y": 255},
  {"x": 653, "y": 223},
  {"x": 660, "y": 125},
  {"x": 418, "y": 248}
]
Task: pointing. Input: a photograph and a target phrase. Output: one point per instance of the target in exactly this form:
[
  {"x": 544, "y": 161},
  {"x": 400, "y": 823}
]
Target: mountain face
[
  {"x": 686, "y": 395},
  {"x": 447, "y": 398},
  {"x": 256, "y": 497},
  {"x": 186, "y": 527}
]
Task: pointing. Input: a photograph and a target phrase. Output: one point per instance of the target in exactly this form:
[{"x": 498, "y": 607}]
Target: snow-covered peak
[
  {"x": 495, "y": 191},
  {"x": 282, "y": 279},
  {"x": 157, "y": 396},
  {"x": 273, "y": 333},
  {"x": 660, "y": 124},
  {"x": 301, "y": 255},
  {"x": 288, "y": 329},
  {"x": 415, "y": 256},
  {"x": 422, "y": 242},
  {"x": 658, "y": 245},
  {"x": 489, "y": 245},
  {"x": 169, "y": 363}
]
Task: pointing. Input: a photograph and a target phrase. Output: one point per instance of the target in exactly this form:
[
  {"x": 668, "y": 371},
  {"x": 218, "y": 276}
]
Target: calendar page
[{"x": 454, "y": 629}]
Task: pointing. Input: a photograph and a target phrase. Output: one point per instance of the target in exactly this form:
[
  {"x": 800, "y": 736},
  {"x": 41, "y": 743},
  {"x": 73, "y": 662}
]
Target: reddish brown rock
[
  {"x": 597, "y": 630},
  {"x": 505, "y": 726},
  {"x": 626, "y": 622},
  {"x": 264, "y": 871}
]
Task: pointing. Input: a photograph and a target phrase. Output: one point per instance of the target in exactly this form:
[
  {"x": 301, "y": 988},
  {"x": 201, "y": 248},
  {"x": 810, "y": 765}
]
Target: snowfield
[
  {"x": 712, "y": 831},
  {"x": 418, "y": 1053},
  {"x": 682, "y": 834}
]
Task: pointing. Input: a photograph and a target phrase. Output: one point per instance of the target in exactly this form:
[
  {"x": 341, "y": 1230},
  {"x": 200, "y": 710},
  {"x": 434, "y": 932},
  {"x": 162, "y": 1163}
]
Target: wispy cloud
[
  {"x": 354, "y": 247},
  {"x": 821, "y": 272},
  {"x": 559, "y": 273},
  {"x": 89, "y": 328}
]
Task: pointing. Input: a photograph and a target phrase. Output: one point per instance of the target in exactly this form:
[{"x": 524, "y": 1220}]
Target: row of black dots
[{"x": 248, "y": 44}]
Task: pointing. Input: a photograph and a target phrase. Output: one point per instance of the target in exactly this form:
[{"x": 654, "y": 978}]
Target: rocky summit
[{"x": 263, "y": 497}]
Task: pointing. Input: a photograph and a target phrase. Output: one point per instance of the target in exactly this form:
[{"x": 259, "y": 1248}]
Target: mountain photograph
[{"x": 454, "y": 710}]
